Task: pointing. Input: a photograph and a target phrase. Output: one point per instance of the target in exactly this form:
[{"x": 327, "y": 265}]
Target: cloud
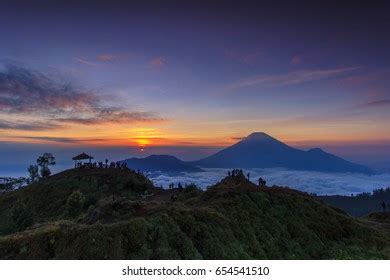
[
  {"x": 377, "y": 103},
  {"x": 66, "y": 140},
  {"x": 30, "y": 126},
  {"x": 158, "y": 62},
  {"x": 308, "y": 181},
  {"x": 25, "y": 92},
  {"x": 246, "y": 58},
  {"x": 291, "y": 78},
  {"x": 238, "y": 138},
  {"x": 296, "y": 60},
  {"x": 106, "y": 57},
  {"x": 113, "y": 116},
  {"x": 86, "y": 62},
  {"x": 100, "y": 59}
]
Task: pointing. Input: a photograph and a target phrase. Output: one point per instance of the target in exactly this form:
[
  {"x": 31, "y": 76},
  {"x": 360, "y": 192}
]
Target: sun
[{"x": 143, "y": 143}]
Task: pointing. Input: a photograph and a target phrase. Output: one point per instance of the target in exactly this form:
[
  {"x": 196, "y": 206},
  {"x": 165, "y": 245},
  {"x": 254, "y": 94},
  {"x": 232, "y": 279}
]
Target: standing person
[{"x": 383, "y": 206}]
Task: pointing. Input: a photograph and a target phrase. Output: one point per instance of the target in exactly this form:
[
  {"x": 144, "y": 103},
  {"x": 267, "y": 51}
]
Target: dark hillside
[
  {"x": 47, "y": 199},
  {"x": 234, "y": 219}
]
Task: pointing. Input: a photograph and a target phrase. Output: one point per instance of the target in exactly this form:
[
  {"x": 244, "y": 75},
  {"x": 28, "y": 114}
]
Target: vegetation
[
  {"x": 361, "y": 204},
  {"x": 22, "y": 216},
  {"x": 44, "y": 162},
  {"x": 119, "y": 214},
  {"x": 74, "y": 204},
  {"x": 33, "y": 172}
]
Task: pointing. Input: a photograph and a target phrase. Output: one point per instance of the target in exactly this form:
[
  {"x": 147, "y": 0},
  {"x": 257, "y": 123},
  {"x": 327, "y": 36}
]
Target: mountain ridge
[
  {"x": 163, "y": 163},
  {"x": 260, "y": 150}
]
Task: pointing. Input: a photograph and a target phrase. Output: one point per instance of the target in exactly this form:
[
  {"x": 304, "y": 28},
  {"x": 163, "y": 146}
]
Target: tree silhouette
[
  {"x": 44, "y": 162},
  {"x": 33, "y": 173}
]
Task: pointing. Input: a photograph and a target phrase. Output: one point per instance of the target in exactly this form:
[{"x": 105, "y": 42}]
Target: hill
[
  {"x": 123, "y": 216},
  {"x": 260, "y": 150},
  {"x": 361, "y": 204},
  {"x": 163, "y": 163}
]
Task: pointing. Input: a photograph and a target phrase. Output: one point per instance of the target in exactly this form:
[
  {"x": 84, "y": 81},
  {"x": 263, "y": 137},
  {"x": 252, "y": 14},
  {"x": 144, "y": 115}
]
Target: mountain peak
[{"x": 258, "y": 136}]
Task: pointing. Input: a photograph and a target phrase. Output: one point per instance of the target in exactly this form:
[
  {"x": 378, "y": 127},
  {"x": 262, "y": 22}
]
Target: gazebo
[{"x": 81, "y": 157}]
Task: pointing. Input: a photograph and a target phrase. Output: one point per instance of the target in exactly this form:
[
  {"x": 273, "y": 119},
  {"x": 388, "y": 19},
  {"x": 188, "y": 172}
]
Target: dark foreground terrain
[{"x": 119, "y": 214}]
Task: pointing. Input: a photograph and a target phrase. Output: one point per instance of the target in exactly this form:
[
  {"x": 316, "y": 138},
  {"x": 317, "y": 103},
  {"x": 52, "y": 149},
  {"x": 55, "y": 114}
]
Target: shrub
[
  {"x": 74, "y": 204},
  {"x": 190, "y": 191},
  {"x": 21, "y": 216},
  {"x": 33, "y": 172}
]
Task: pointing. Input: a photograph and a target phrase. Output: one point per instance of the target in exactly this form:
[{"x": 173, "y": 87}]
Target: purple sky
[{"x": 189, "y": 77}]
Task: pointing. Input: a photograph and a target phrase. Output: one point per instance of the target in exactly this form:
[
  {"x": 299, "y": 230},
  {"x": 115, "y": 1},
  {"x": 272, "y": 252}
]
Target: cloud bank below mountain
[{"x": 308, "y": 181}]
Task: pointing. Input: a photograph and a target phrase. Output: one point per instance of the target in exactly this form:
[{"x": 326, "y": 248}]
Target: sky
[{"x": 132, "y": 78}]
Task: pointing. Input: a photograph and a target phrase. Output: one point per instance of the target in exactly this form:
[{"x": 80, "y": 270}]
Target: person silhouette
[
  {"x": 383, "y": 206},
  {"x": 248, "y": 175},
  {"x": 262, "y": 182}
]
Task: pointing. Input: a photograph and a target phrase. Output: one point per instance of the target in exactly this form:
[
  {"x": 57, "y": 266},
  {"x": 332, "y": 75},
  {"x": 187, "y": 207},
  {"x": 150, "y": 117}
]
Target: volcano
[{"x": 260, "y": 150}]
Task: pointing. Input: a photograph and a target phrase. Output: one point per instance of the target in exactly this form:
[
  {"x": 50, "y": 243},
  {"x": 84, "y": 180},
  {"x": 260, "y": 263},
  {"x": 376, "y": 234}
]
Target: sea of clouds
[{"x": 308, "y": 181}]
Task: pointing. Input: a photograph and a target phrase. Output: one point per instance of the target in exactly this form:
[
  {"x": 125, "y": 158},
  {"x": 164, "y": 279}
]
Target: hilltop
[
  {"x": 123, "y": 216},
  {"x": 259, "y": 150}
]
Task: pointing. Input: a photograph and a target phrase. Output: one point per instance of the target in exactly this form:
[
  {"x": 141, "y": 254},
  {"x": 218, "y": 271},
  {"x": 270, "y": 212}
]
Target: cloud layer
[
  {"x": 291, "y": 78},
  {"x": 30, "y": 126},
  {"x": 26, "y": 93},
  {"x": 311, "y": 182}
]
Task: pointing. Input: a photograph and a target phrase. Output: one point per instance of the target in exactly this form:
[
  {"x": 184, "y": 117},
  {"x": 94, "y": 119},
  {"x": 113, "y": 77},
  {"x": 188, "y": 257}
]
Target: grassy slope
[{"x": 232, "y": 220}]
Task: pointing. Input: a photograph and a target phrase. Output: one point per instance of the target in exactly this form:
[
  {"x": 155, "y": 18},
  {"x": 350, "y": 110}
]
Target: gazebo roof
[{"x": 82, "y": 156}]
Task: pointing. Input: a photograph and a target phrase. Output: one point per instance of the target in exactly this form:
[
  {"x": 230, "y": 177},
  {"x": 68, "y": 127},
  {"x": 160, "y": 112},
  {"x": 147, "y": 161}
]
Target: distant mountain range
[
  {"x": 258, "y": 150},
  {"x": 163, "y": 163}
]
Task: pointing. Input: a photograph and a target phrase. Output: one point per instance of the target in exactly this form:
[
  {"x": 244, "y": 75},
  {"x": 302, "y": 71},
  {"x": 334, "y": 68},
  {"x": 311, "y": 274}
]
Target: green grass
[{"x": 232, "y": 220}]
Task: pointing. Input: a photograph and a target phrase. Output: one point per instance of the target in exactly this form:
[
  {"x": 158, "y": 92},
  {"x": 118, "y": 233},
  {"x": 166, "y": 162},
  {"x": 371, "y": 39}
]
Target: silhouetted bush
[
  {"x": 74, "y": 204},
  {"x": 22, "y": 216},
  {"x": 33, "y": 172}
]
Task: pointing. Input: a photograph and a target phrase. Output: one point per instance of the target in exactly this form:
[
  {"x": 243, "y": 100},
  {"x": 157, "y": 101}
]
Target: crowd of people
[
  {"x": 240, "y": 173},
  {"x": 101, "y": 164}
]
